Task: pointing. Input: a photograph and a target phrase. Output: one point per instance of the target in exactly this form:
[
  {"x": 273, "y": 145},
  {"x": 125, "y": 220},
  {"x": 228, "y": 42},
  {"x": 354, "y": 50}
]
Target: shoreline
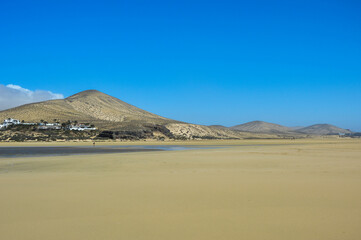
[{"x": 183, "y": 142}]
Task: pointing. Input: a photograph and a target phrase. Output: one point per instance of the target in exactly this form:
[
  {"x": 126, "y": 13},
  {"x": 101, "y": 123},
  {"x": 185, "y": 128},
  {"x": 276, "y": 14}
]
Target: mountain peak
[
  {"x": 258, "y": 122},
  {"x": 86, "y": 93}
]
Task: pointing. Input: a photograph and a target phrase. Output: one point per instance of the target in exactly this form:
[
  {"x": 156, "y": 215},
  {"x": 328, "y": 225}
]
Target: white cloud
[{"x": 14, "y": 95}]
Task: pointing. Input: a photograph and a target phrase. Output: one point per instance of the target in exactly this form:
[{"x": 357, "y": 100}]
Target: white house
[
  {"x": 9, "y": 121},
  {"x": 81, "y": 127}
]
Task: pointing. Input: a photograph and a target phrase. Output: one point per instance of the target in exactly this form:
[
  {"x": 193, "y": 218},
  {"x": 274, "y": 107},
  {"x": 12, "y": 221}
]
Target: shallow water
[{"x": 10, "y": 152}]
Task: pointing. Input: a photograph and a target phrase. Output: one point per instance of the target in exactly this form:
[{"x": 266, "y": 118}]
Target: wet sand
[
  {"x": 309, "y": 189},
  {"x": 34, "y": 151}
]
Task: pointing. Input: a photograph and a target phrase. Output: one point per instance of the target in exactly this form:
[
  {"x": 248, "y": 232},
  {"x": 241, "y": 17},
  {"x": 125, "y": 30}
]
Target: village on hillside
[{"x": 44, "y": 125}]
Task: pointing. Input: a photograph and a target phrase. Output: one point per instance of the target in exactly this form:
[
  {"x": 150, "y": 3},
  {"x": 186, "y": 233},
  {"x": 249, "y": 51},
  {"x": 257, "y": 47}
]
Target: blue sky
[{"x": 206, "y": 62}]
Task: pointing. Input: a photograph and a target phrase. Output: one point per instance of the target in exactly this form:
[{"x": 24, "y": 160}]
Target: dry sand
[{"x": 309, "y": 189}]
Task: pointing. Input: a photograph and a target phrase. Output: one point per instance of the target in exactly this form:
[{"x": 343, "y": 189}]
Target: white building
[
  {"x": 49, "y": 126},
  {"x": 81, "y": 127},
  {"x": 9, "y": 121}
]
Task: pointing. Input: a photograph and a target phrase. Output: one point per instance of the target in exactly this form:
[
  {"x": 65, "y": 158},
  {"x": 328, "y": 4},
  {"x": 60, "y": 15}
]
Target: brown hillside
[
  {"x": 262, "y": 127},
  {"x": 88, "y": 106}
]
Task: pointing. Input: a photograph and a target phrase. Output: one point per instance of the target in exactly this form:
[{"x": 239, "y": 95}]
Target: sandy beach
[{"x": 247, "y": 189}]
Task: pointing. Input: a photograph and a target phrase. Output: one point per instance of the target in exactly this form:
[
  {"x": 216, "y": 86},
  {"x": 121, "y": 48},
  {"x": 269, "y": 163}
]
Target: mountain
[
  {"x": 322, "y": 129},
  {"x": 108, "y": 113},
  {"x": 261, "y": 127},
  {"x": 117, "y": 118},
  {"x": 271, "y": 128},
  {"x": 88, "y": 106}
]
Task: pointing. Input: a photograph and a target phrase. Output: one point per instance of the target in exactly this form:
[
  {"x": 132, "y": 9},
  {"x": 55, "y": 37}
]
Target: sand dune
[{"x": 302, "y": 189}]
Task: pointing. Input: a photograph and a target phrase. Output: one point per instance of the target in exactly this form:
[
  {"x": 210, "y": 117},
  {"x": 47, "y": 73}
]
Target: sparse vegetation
[{"x": 22, "y": 132}]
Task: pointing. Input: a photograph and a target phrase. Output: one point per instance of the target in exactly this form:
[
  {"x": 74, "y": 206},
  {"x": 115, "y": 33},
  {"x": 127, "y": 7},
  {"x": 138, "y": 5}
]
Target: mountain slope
[
  {"x": 88, "y": 106},
  {"x": 261, "y": 127},
  {"x": 105, "y": 107},
  {"x": 322, "y": 129}
]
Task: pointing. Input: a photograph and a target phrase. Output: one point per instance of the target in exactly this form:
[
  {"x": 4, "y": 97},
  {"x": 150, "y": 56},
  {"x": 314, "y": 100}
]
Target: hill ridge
[
  {"x": 322, "y": 129},
  {"x": 261, "y": 127}
]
